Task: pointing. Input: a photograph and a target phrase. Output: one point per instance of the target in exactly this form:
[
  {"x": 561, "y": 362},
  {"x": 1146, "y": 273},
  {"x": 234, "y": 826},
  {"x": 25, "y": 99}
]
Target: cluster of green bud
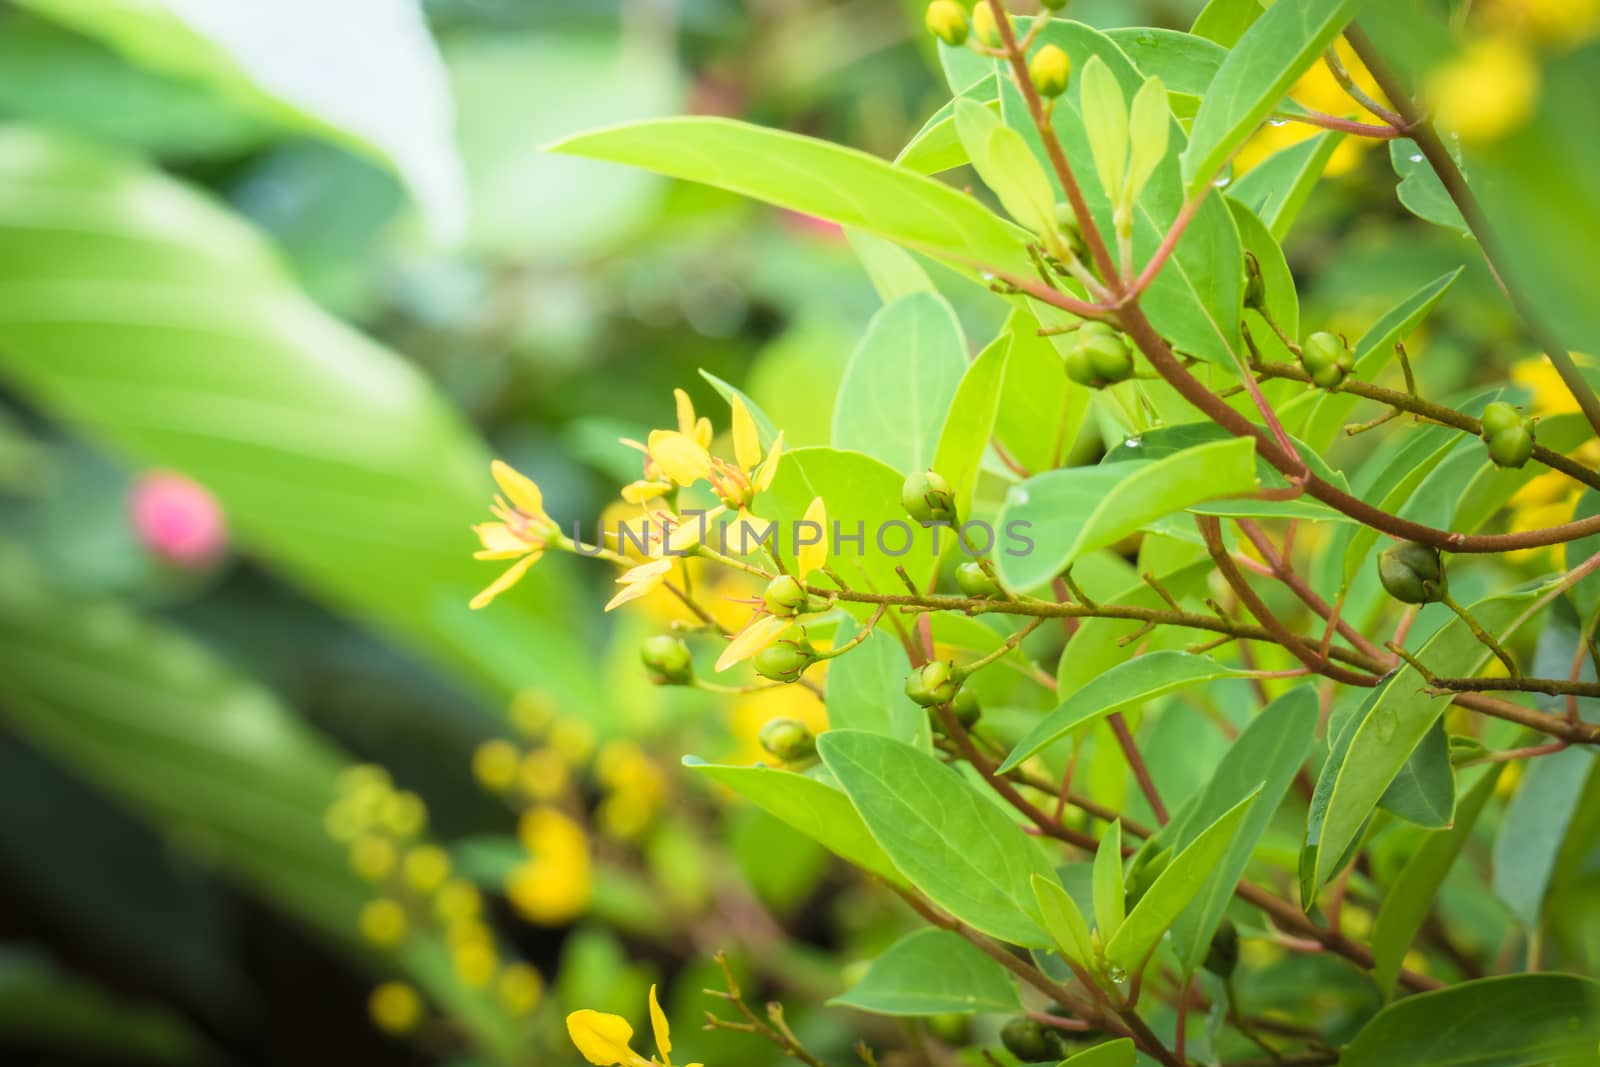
[
  {"x": 1031, "y": 1041},
  {"x": 928, "y": 498},
  {"x": 1099, "y": 357},
  {"x": 1413, "y": 573},
  {"x": 788, "y": 740},
  {"x": 786, "y": 597},
  {"x": 974, "y": 581},
  {"x": 933, "y": 683},
  {"x": 667, "y": 659},
  {"x": 786, "y": 659},
  {"x": 1049, "y": 70},
  {"x": 1327, "y": 358},
  {"x": 1508, "y": 435},
  {"x": 947, "y": 20},
  {"x": 1223, "y": 955}
]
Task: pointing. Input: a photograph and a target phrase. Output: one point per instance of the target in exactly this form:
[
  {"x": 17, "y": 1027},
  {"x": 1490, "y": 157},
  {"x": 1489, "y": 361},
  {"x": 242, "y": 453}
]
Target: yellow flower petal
[
  {"x": 641, "y": 581},
  {"x": 746, "y": 438},
  {"x": 769, "y": 467},
  {"x": 702, "y": 433},
  {"x": 810, "y": 557},
  {"x": 685, "y": 412},
  {"x": 519, "y": 489},
  {"x": 499, "y": 541},
  {"x": 762, "y": 631},
  {"x": 645, "y": 490},
  {"x": 658, "y": 1023},
  {"x": 681, "y": 458},
  {"x": 511, "y": 577},
  {"x": 601, "y": 1038}
]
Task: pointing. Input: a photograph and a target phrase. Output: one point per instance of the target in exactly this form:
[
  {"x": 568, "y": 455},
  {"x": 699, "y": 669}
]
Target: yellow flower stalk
[
  {"x": 605, "y": 1039},
  {"x": 521, "y": 533}
]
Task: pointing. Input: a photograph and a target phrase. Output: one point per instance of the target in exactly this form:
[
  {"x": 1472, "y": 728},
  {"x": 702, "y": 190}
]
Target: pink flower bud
[{"x": 177, "y": 519}]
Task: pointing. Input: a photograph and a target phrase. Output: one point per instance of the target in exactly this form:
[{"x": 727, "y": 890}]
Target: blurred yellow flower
[
  {"x": 494, "y": 764},
  {"x": 1318, "y": 90},
  {"x": 1558, "y": 22},
  {"x": 474, "y": 962},
  {"x": 426, "y": 868},
  {"x": 1550, "y": 498},
  {"x": 457, "y": 900},
  {"x": 395, "y": 1007},
  {"x": 372, "y": 857},
  {"x": 544, "y": 774},
  {"x": 520, "y": 988},
  {"x": 532, "y": 712},
  {"x": 521, "y": 533},
  {"x": 404, "y": 814},
  {"x": 383, "y": 922},
  {"x": 552, "y": 887},
  {"x": 604, "y": 1040},
  {"x": 1487, "y": 91}
]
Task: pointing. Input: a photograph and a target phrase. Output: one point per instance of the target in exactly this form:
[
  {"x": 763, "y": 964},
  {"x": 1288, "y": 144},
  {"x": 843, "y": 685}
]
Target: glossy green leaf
[
  {"x": 1184, "y": 63},
  {"x": 1041, "y": 410},
  {"x": 1133, "y": 681},
  {"x": 900, "y": 381},
  {"x": 932, "y": 972},
  {"x": 1420, "y": 189},
  {"x": 1224, "y": 21},
  {"x": 803, "y": 174},
  {"x": 895, "y": 273},
  {"x": 1424, "y": 792},
  {"x": 1002, "y": 159},
  {"x": 950, "y": 841},
  {"x": 1279, "y": 186},
  {"x": 1064, "y": 921},
  {"x": 964, "y": 440},
  {"x": 1175, "y": 888},
  {"x": 1110, "y": 892},
  {"x": 1535, "y": 827},
  {"x": 1270, "y": 751},
  {"x": 1277, "y": 280},
  {"x": 173, "y": 336},
  {"x": 815, "y": 808},
  {"x": 1521, "y": 1020},
  {"x": 1073, "y": 511},
  {"x": 936, "y": 147},
  {"x": 1400, "y": 714},
  {"x": 1105, "y": 120},
  {"x": 365, "y": 73},
  {"x": 1264, "y": 63},
  {"x": 1410, "y": 898},
  {"x": 866, "y": 689}
]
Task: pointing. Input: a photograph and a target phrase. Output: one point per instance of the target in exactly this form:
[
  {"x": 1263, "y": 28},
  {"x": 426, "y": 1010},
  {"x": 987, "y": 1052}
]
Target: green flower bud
[
  {"x": 1100, "y": 358},
  {"x": 950, "y": 1028},
  {"x": 668, "y": 660},
  {"x": 1327, "y": 359},
  {"x": 788, "y": 740},
  {"x": 974, "y": 581},
  {"x": 1029, "y": 1041},
  {"x": 1223, "y": 955},
  {"x": 1049, "y": 69},
  {"x": 785, "y": 596},
  {"x": 947, "y": 20},
  {"x": 785, "y": 660},
  {"x": 1499, "y": 417},
  {"x": 1413, "y": 573},
  {"x": 966, "y": 707},
  {"x": 933, "y": 683},
  {"x": 984, "y": 26},
  {"x": 1052, "y": 5},
  {"x": 928, "y": 498},
  {"x": 1071, "y": 232},
  {"x": 1255, "y": 289}
]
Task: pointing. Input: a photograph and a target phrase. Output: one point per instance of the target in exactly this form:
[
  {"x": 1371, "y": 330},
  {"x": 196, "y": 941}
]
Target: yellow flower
[
  {"x": 604, "y": 1039},
  {"x": 372, "y": 857},
  {"x": 1487, "y": 91},
  {"x": 737, "y": 484},
  {"x": 383, "y": 922},
  {"x": 763, "y": 630},
  {"x": 395, "y": 1008},
  {"x": 544, "y": 774},
  {"x": 427, "y": 867},
  {"x": 521, "y": 533},
  {"x": 1318, "y": 90},
  {"x": 681, "y": 535},
  {"x": 457, "y": 901},
  {"x": 520, "y": 989},
  {"x": 553, "y": 886},
  {"x": 494, "y": 764},
  {"x": 474, "y": 962},
  {"x": 640, "y": 581},
  {"x": 1562, "y": 22}
]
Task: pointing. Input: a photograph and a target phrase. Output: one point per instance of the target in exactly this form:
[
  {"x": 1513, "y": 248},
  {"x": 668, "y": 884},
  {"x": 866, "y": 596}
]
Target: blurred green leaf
[{"x": 1534, "y": 828}]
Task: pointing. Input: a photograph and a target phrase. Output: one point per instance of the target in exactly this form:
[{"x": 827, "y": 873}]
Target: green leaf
[
  {"x": 866, "y": 689},
  {"x": 1224, "y": 21},
  {"x": 1118, "y": 1053},
  {"x": 1175, "y": 887},
  {"x": 899, "y": 383},
  {"x": 1270, "y": 751},
  {"x": 1184, "y": 63},
  {"x": 1276, "y": 49},
  {"x": 765, "y": 427},
  {"x": 964, "y": 441},
  {"x": 1535, "y": 827},
  {"x": 365, "y": 73},
  {"x": 1064, "y": 921},
  {"x": 1424, "y": 792},
  {"x": 1073, "y": 511},
  {"x": 937, "y": 147},
  {"x": 1279, "y": 186},
  {"x": 1148, "y": 126},
  {"x": 952, "y": 842},
  {"x": 932, "y": 972},
  {"x": 1002, "y": 159},
  {"x": 1421, "y": 191},
  {"x": 1110, "y": 893},
  {"x": 895, "y": 273},
  {"x": 174, "y": 337},
  {"x": 1410, "y": 898},
  {"x": 1277, "y": 280},
  {"x": 1521, "y": 1020},
  {"x": 803, "y": 174},
  {"x": 1134, "y": 681},
  {"x": 816, "y": 809},
  {"x": 1041, "y": 410},
  {"x": 1399, "y": 715},
  {"x": 1105, "y": 120}
]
